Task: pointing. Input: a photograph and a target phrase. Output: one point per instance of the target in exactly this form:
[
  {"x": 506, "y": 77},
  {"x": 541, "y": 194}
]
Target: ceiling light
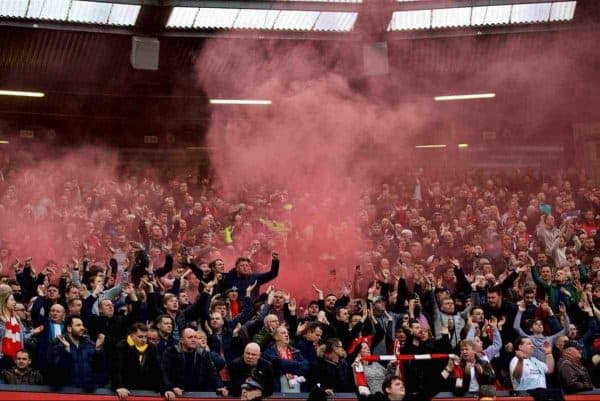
[
  {"x": 241, "y": 101},
  {"x": 4, "y": 142},
  {"x": 465, "y": 97},
  {"x": 429, "y": 146},
  {"x": 463, "y": 145},
  {"x": 21, "y": 93}
]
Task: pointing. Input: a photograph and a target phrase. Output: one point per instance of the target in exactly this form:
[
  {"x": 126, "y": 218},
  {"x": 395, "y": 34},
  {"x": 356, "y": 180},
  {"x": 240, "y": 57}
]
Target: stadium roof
[{"x": 335, "y": 16}]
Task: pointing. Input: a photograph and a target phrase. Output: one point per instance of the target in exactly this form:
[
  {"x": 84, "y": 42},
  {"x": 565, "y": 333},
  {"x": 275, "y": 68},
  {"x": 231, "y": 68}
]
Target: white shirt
[
  {"x": 57, "y": 329},
  {"x": 533, "y": 376},
  {"x": 473, "y": 384}
]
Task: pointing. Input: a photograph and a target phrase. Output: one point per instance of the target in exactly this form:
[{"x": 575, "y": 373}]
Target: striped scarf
[{"x": 11, "y": 342}]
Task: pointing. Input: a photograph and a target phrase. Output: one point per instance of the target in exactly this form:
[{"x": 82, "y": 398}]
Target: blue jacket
[
  {"x": 308, "y": 351},
  {"x": 297, "y": 366},
  {"x": 79, "y": 367},
  {"x": 232, "y": 279}
]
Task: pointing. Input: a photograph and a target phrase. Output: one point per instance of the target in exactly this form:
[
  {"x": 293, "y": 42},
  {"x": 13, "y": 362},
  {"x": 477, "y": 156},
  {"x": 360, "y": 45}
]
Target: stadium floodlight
[
  {"x": 465, "y": 97},
  {"x": 241, "y": 102},
  {"x": 21, "y": 93}
]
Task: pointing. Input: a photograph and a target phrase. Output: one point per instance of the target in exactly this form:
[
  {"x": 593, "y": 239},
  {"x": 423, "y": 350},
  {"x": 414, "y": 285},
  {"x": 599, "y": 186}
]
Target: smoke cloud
[{"x": 321, "y": 140}]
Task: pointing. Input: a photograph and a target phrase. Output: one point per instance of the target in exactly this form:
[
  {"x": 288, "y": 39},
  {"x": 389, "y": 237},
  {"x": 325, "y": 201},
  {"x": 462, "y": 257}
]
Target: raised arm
[
  {"x": 517, "y": 323},
  {"x": 263, "y": 278}
]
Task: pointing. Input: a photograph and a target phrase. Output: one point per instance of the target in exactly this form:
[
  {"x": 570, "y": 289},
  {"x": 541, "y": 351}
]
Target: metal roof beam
[{"x": 267, "y": 5}]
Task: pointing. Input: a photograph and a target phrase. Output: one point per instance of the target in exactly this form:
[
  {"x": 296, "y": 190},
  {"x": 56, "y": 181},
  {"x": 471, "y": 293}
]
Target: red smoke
[
  {"x": 32, "y": 223},
  {"x": 321, "y": 140}
]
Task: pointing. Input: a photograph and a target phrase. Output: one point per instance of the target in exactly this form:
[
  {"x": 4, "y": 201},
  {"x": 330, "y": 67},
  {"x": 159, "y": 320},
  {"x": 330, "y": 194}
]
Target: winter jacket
[
  {"x": 80, "y": 366},
  {"x": 133, "y": 374},
  {"x": 297, "y": 366},
  {"x": 262, "y": 373},
  {"x": 232, "y": 279},
  {"x": 173, "y": 369},
  {"x": 335, "y": 376}
]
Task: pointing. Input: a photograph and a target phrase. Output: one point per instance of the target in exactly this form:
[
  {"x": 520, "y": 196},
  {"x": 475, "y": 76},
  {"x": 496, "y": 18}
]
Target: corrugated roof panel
[
  {"x": 562, "y": 11},
  {"x": 89, "y": 12},
  {"x": 528, "y": 13},
  {"x": 35, "y": 8},
  {"x": 451, "y": 17},
  {"x": 335, "y": 21},
  {"x": 296, "y": 20},
  {"x": 182, "y": 17},
  {"x": 13, "y": 8},
  {"x": 216, "y": 18},
  {"x": 491, "y": 15},
  {"x": 413, "y": 19},
  {"x": 124, "y": 14},
  {"x": 256, "y": 19},
  {"x": 55, "y": 10}
]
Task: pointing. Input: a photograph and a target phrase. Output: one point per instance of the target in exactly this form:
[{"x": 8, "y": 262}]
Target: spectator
[
  {"x": 242, "y": 277},
  {"x": 11, "y": 329},
  {"x": 308, "y": 345},
  {"x": 333, "y": 372},
  {"x": 374, "y": 372},
  {"x": 164, "y": 326},
  {"x": 22, "y": 373},
  {"x": 572, "y": 374},
  {"x": 137, "y": 364},
  {"x": 185, "y": 368},
  {"x": 265, "y": 336},
  {"x": 182, "y": 318},
  {"x": 289, "y": 365},
  {"x": 537, "y": 329},
  {"x": 74, "y": 360},
  {"x": 487, "y": 392},
  {"x": 252, "y": 366},
  {"x": 251, "y": 391},
  {"x": 528, "y": 372},
  {"x": 475, "y": 370}
]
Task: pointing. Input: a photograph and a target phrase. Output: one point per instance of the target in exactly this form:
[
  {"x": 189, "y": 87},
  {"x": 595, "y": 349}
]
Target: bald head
[
  {"x": 189, "y": 340},
  {"x": 57, "y": 313},
  {"x": 252, "y": 354}
]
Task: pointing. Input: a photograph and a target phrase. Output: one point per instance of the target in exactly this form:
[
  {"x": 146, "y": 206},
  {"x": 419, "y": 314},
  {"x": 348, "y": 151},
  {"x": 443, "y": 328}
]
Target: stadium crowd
[{"x": 495, "y": 277}]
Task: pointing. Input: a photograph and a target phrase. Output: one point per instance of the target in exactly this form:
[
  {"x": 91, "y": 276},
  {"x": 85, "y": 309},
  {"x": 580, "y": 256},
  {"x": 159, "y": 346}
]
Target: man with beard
[
  {"x": 417, "y": 342},
  {"x": 333, "y": 373},
  {"x": 74, "y": 359}
]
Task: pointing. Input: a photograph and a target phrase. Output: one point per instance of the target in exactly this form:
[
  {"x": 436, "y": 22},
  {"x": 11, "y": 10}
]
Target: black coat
[
  {"x": 335, "y": 376},
  {"x": 262, "y": 373},
  {"x": 173, "y": 369},
  {"x": 132, "y": 374},
  {"x": 114, "y": 328}
]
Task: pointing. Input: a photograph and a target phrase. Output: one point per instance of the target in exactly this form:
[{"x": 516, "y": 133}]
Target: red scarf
[
  {"x": 234, "y": 307},
  {"x": 286, "y": 356},
  {"x": 11, "y": 342}
]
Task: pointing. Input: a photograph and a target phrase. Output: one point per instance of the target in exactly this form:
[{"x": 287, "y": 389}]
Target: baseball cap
[
  {"x": 251, "y": 384},
  {"x": 571, "y": 344}
]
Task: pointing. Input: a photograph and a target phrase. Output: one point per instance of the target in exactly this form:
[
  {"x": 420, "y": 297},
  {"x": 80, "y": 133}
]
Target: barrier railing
[{"x": 44, "y": 393}]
